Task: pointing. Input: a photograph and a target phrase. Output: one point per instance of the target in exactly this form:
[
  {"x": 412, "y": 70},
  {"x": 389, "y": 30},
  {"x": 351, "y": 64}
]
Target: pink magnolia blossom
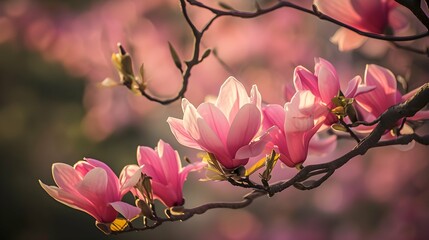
[
  {"x": 385, "y": 94},
  {"x": 226, "y": 128},
  {"x": 92, "y": 187},
  {"x": 366, "y": 15},
  {"x": 325, "y": 84},
  {"x": 296, "y": 124},
  {"x": 163, "y": 165}
]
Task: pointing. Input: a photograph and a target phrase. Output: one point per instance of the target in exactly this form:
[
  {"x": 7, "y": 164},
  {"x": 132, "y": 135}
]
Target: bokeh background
[{"x": 54, "y": 54}]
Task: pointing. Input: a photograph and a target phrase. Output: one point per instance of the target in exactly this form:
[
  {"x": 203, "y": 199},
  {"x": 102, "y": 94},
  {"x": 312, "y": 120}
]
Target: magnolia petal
[
  {"x": 125, "y": 209},
  {"x": 75, "y": 201},
  {"x": 190, "y": 116},
  {"x": 398, "y": 21},
  {"x": 352, "y": 87},
  {"x": 129, "y": 177},
  {"x": 94, "y": 186},
  {"x": 113, "y": 184},
  {"x": 328, "y": 83},
  {"x": 185, "y": 104},
  {"x": 385, "y": 93},
  {"x": 190, "y": 168},
  {"x": 169, "y": 195},
  {"x": 347, "y": 40},
  {"x": 303, "y": 79},
  {"x": 179, "y": 131},
  {"x": 244, "y": 128},
  {"x": 341, "y": 10},
  {"x": 65, "y": 176},
  {"x": 303, "y": 102},
  {"x": 232, "y": 96},
  {"x": 420, "y": 115},
  {"x": 381, "y": 77},
  {"x": 274, "y": 115},
  {"x": 410, "y": 94},
  {"x": 215, "y": 118},
  {"x": 209, "y": 141},
  {"x": 297, "y": 151},
  {"x": 170, "y": 160},
  {"x": 355, "y": 88},
  {"x": 255, "y": 147},
  {"x": 255, "y": 97},
  {"x": 152, "y": 163}
]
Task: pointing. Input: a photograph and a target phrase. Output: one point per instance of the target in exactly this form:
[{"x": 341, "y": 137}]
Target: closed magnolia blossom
[
  {"x": 163, "y": 165},
  {"x": 226, "y": 128},
  {"x": 92, "y": 187},
  {"x": 374, "y": 16},
  {"x": 296, "y": 123},
  {"x": 385, "y": 94},
  {"x": 324, "y": 83}
]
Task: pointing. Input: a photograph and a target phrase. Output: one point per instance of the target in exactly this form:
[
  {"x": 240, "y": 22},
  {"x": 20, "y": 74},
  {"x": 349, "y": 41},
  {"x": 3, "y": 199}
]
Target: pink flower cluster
[
  {"x": 374, "y": 16},
  {"x": 235, "y": 128}
]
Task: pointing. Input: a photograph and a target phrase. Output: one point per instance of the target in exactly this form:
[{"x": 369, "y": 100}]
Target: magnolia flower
[
  {"x": 373, "y": 16},
  {"x": 325, "y": 84},
  {"x": 92, "y": 187},
  {"x": 296, "y": 124},
  {"x": 163, "y": 165},
  {"x": 385, "y": 94},
  {"x": 226, "y": 128}
]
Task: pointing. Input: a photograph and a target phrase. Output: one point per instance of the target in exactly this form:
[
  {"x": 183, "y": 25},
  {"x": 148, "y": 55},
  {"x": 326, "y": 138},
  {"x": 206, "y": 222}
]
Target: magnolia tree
[{"x": 242, "y": 138}]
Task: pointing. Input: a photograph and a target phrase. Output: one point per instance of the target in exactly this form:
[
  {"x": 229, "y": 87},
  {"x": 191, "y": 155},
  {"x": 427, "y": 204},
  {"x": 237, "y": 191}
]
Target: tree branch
[{"x": 315, "y": 12}]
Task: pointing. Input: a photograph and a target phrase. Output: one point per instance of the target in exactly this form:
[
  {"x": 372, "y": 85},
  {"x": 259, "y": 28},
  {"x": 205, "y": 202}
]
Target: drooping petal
[
  {"x": 232, "y": 96},
  {"x": 71, "y": 200},
  {"x": 125, "y": 209},
  {"x": 179, "y": 131}
]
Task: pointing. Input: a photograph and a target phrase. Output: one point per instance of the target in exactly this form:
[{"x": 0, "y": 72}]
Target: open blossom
[
  {"x": 163, "y": 165},
  {"x": 324, "y": 84},
  {"x": 385, "y": 94},
  {"x": 296, "y": 124},
  {"x": 226, "y": 128},
  {"x": 92, "y": 187},
  {"x": 366, "y": 15}
]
